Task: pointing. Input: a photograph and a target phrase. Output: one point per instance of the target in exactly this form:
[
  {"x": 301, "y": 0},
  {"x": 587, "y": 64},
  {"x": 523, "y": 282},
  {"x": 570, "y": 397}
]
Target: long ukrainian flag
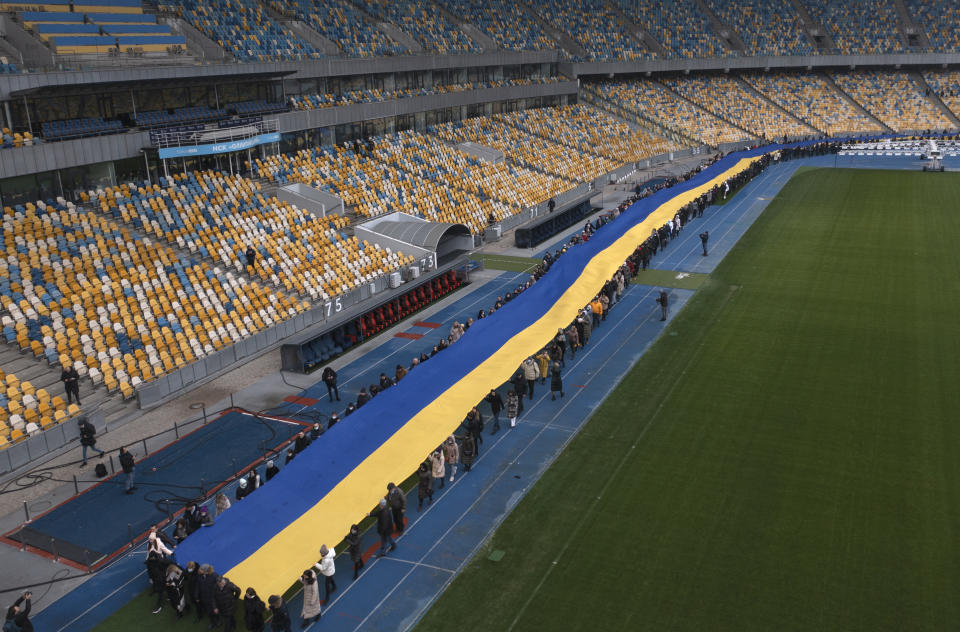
[{"x": 267, "y": 540}]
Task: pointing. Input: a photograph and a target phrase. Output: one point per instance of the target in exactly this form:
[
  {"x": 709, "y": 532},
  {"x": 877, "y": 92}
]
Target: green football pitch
[{"x": 789, "y": 460}]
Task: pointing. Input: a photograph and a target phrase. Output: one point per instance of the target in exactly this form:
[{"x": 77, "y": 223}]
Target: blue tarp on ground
[{"x": 97, "y": 519}]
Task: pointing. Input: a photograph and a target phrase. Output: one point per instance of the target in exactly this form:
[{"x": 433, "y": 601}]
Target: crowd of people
[{"x": 197, "y": 587}]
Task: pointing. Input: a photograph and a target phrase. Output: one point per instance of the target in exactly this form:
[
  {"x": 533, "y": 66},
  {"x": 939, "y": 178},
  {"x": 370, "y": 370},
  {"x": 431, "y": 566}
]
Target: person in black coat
[
  {"x": 156, "y": 571},
  {"x": 496, "y": 405},
  {"x": 356, "y": 553},
  {"x": 329, "y": 377},
  {"x": 704, "y": 236},
  {"x": 128, "y": 464},
  {"x": 301, "y": 443},
  {"x": 71, "y": 383},
  {"x": 384, "y": 527},
  {"x": 315, "y": 431},
  {"x": 253, "y": 611},
  {"x": 468, "y": 451},
  {"x": 662, "y": 299},
  {"x": 334, "y": 418},
  {"x": 424, "y": 484},
  {"x": 272, "y": 470},
  {"x": 205, "y": 590},
  {"x": 190, "y": 576},
  {"x": 19, "y": 612},
  {"x": 474, "y": 424},
  {"x": 362, "y": 398},
  {"x": 281, "y": 616},
  {"x": 225, "y": 602},
  {"x": 251, "y": 256},
  {"x": 398, "y": 505},
  {"x": 520, "y": 385},
  {"x": 193, "y": 517},
  {"x": 88, "y": 438},
  {"x": 556, "y": 381}
]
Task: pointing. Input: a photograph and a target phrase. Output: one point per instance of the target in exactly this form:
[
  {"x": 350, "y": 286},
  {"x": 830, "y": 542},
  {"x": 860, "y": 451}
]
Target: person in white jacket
[
  {"x": 327, "y": 568},
  {"x": 531, "y": 371},
  {"x": 156, "y": 545}
]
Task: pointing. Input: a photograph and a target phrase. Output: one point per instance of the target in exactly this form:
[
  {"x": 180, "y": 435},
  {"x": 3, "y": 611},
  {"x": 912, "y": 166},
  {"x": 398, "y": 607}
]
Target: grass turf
[
  {"x": 786, "y": 462},
  {"x": 670, "y": 278},
  {"x": 507, "y": 262}
]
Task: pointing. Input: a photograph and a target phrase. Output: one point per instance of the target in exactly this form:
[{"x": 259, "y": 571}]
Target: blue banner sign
[{"x": 219, "y": 148}]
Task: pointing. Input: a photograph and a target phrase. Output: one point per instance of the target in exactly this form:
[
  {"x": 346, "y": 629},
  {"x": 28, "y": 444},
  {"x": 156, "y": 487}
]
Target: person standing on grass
[
  {"x": 175, "y": 592},
  {"x": 128, "y": 465},
  {"x": 398, "y": 505},
  {"x": 513, "y": 408},
  {"x": 225, "y": 602},
  {"x": 556, "y": 381},
  {"x": 663, "y": 300},
  {"x": 384, "y": 527},
  {"x": 281, "y": 616},
  {"x": 438, "y": 468},
  {"x": 192, "y": 576},
  {"x": 496, "y": 405},
  {"x": 327, "y": 567},
  {"x": 253, "y": 611},
  {"x": 329, "y": 377},
  {"x": 356, "y": 553},
  {"x": 206, "y": 590},
  {"x": 451, "y": 452},
  {"x": 156, "y": 565},
  {"x": 88, "y": 438},
  {"x": 311, "y": 598},
  {"x": 704, "y": 236},
  {"x": 424, "y": 484}
]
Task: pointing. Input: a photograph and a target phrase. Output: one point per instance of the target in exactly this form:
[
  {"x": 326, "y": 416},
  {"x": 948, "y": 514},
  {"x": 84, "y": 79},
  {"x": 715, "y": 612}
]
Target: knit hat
[
  {"x": 243, "y": 482},
  {"x": 269, "y": 463},
  {"x": 324, "y": 550}
]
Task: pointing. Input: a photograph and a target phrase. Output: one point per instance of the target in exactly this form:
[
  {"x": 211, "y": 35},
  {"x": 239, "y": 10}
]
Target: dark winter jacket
[
  {"x": 556, "y": 380},
  {"x": 127, "y": 462},
  {"x": 396, "y": 499},
  {"x": 22, "y": 618},
  {"x": 424, "y": 481},
  {"x": 495, "y": 401},
  {"x": 206, "y": 587},
  {"x": 253, "y": 608},
  {"x": 384, "y": 520},
  {"x": 225, "y": 598},
  {"x": 88, "y": 434},
  {"x": 353, "y": 542},
  {"x": 468, "y": 449}
]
